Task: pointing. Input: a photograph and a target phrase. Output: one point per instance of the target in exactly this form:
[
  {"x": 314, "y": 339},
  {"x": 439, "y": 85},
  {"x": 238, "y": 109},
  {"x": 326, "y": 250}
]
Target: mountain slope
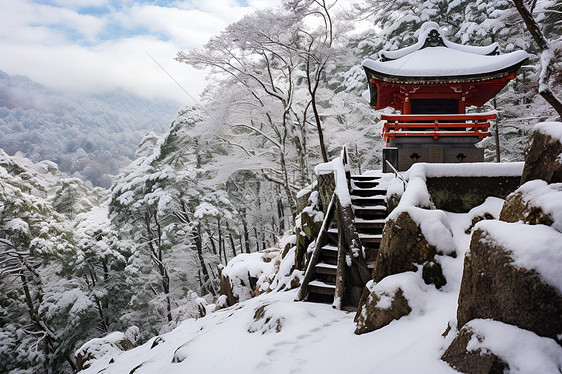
[
  {"x": 272, "y": 333},
  {"x": 90, "y": 137}
]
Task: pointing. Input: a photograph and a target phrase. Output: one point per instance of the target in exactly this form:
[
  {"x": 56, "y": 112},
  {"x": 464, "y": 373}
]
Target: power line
[{"x": 175, "y": 80}]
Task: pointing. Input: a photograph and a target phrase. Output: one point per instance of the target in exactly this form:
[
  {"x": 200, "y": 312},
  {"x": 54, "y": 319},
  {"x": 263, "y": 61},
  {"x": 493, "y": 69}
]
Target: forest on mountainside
[
  {"x": 89, "y": 137},
  {"x": 284, "y": 94}
]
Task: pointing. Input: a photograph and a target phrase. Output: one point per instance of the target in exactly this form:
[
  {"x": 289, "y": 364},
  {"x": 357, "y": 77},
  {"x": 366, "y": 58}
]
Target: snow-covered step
[
  {"x": 330, "y": 252},
  {"x": 370, "y": 207},
  {"x": 364, "y": 183},
  {"x": 322, "y": 288},
  {"x": 324, "y": 268},
  {"x": 370, "y": 212},
  {"x": 363, "y": 177},
  {"x": 368, "y": 200},
  {"x": 374, "y": 191},
  {"x": 370, "y": 238},
  {"x": 362, "y": 223}
]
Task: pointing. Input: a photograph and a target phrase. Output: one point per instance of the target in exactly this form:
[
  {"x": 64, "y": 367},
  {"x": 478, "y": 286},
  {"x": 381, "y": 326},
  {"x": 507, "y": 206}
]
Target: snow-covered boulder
[
  {"x": 543, "y": 156},
  {"x": 512, "y": 274},
  {"x": 381, "y": 307},
  {"x": 413, "y": 236},
  {"x": 106, "y": 348},
  {"x": 474, "y": 360},
  {"x": 490, "y": 347},
  {"x": 242, "y": 277},
  {"x": 379, "y": 311},
  {"x": 392, "y": 298},
  {"x": 535, "y": 202}
]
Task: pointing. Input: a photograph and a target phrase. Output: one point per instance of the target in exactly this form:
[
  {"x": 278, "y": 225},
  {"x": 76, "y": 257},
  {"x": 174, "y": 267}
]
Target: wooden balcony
[{"x": 436, "y": 125}]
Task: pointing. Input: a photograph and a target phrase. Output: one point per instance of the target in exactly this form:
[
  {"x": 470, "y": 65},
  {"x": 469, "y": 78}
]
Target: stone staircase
[{"x": 369, "y": 206}]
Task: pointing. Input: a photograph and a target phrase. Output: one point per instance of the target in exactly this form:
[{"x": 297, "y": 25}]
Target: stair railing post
[
  {"x": 340, "y": 270},
  {"x": 346, "y": 166}
]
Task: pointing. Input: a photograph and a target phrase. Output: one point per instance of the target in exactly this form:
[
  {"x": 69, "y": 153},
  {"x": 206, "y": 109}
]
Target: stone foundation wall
[{"x": 460, "y": 194}]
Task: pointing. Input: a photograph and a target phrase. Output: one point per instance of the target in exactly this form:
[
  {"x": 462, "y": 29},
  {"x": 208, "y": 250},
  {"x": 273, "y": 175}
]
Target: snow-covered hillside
[{"x": 272, "y": 333}]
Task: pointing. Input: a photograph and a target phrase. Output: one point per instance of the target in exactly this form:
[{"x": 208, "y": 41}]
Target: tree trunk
[
  {"x": 201, "y": 260},
  {"x": 221, "y": 242},
  {"x": 287, "y": 186},
  {"x": 246, "y": 235},
  {"x": 231, "y": 239},
  {"x": 157, "y": 255},
  {"x": 103, "y": 323},
  {"x": 281, "y": 215},
  {"x": 212, "y": 241},
  {"x": 312, "y": 92},
  {"x": 547, "y": 56},
  {"x": 257, "y": 239}
]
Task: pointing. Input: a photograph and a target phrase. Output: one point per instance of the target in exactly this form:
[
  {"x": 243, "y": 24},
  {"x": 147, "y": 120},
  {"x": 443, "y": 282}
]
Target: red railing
[{"x": 436, "y": 125}]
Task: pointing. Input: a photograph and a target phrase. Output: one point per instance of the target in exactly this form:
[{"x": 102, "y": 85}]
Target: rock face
[
  {"x": 378, "y": 311},
  {"x": 517, "y": 208},
  {"x": 432, "y": 273},
  {"x": 306, "y": 233},
  {"x": 509, "y": 278},
  {"x": 402, "y": 246},
  {"x": 477, "y": 361},
  {"x": 226, "y": 289},
  {"x": 535, "y": 202},
  {"x": 493, "y": 287},
  {"x": 542, "y": 160}
]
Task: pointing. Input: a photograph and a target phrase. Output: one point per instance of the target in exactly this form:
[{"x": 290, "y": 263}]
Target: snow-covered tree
[
  {"x": 269, "y": 66},
  {"x": 34, "y": 296}
]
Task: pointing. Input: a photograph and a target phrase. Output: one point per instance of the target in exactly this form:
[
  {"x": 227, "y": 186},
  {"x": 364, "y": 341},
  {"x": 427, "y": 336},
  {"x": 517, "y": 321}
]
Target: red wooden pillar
[
  {"x": 407, "y": 105},
  {"x": 462, "y": 104}
]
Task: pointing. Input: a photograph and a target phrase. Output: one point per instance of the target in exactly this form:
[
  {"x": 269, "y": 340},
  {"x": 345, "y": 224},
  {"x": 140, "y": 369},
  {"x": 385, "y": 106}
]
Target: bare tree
[{"x": 274, "y": 64}]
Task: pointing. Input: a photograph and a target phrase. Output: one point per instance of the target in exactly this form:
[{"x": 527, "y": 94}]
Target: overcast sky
[{"x": 92, "y": 46}]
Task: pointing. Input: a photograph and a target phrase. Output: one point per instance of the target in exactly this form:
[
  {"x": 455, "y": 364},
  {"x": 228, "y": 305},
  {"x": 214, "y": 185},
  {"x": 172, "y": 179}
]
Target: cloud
[
  {"x": 95, "y": 46},
  {"x": 185, "y": 27},
  {"x": 24, "y": 22}
]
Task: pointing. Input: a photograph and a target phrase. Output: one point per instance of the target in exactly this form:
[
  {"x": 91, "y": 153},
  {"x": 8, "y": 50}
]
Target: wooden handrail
[
  {"x": 431, "y": 117},
  {"x": 348, "y": 238},
  {"x": 320, "y": 241},
  {"x": 436, "y": 125},
  {"x": 432, "y": 124},
  {"x": 397, "y": 174},
  {"x": 340, "y": 263}
]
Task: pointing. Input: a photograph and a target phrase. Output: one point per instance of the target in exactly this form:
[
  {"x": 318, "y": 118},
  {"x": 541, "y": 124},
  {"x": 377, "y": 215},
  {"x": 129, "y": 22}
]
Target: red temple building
[{"x": 432, "y": 83}]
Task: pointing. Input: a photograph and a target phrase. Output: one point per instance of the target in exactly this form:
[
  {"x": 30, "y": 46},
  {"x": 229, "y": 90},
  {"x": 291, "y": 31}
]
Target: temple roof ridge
[
  {"x": 474, "y": 74},
  {"x": 435, "y": 58},
  {"x": 431, "y": 35}
]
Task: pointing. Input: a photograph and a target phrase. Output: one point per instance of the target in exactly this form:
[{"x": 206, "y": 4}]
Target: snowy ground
[
  {"x": 273, "y": 334},
  {"x": 313, "y": 338}
]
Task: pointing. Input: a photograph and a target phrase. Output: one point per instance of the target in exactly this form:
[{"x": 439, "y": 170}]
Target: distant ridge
[{"x": 89, "y": 136}]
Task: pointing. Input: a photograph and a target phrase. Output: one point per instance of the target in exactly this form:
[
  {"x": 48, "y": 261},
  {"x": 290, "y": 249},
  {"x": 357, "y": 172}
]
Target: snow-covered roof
[{"x": 435, "y": 56}]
